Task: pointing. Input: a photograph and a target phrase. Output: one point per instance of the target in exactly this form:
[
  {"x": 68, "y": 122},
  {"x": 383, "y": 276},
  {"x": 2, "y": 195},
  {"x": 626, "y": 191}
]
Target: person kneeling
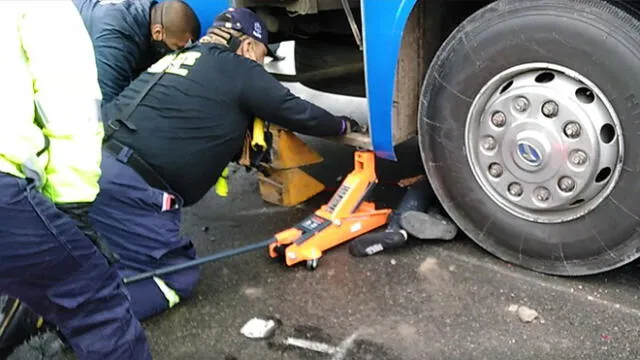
[{"x": 171, "y": 134}]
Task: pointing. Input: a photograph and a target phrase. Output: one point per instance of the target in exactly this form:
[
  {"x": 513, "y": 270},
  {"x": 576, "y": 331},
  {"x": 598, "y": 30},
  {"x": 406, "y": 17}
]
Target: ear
[
  {"x": 243, "y": 49},
  {"x": 253, "y": 49},
  {"x": 246, "y": 46},
  {"x": 156, "y": 32}
]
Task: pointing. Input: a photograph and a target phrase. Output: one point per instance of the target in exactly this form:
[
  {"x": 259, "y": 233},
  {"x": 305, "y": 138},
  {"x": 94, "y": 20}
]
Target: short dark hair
[{"x": 178, "y": 18}]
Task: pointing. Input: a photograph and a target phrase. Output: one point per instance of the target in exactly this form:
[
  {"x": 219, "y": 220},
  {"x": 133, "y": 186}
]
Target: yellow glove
[{"x": 257, "y": 140}]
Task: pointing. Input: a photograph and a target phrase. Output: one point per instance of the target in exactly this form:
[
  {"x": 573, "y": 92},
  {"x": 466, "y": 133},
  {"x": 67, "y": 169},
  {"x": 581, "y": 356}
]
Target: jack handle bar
[{"x": 211, "y": 258}]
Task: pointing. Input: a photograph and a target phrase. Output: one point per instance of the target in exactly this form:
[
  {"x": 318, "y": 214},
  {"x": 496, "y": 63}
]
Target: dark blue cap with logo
[{"x": 246, "y": 22}]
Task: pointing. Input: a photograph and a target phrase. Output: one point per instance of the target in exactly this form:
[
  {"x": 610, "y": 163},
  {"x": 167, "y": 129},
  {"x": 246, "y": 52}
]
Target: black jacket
[
  {"x": 192, "y": 123},
  {"x": 120, "y": 33}
]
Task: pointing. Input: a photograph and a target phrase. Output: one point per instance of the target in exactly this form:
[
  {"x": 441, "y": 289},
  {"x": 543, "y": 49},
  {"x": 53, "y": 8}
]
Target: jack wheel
[
  {"x": 312, "y": 264},
  {"x": 280, "y": 251}
]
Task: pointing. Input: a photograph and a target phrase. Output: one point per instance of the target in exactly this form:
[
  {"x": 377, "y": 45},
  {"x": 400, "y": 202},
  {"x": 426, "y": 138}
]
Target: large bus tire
[{"x": 528, "y": 126}]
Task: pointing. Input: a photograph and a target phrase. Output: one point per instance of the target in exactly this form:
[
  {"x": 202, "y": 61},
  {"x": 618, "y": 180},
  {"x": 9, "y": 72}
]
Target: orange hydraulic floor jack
[{"x": 346, "y": 216}]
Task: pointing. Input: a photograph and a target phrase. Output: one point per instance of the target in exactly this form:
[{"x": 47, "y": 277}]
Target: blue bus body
[{"x": 383, "y": 24}]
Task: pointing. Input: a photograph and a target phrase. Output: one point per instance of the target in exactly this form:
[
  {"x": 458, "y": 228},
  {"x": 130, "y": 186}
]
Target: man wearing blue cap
[
  {"x": 169, "y": 136},
  {"x": 244, "y": 24}
]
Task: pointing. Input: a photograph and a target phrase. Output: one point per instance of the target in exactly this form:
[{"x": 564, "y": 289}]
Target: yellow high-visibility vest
[{"x": 49, "y": 93}]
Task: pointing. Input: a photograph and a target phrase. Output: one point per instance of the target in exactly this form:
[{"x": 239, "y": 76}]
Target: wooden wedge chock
[
  {"x": 288, "y": 187},
  {"x": 289, "y": 151},
  {"x": 278, "y": 154}
]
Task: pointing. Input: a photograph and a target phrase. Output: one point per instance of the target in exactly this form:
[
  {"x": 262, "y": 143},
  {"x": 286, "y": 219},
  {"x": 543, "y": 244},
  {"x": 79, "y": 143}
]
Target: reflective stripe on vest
[
  {"x": 32, "y": 168},
  {"x": 171, "y": 295},
  {"x": 10, "y": 168}
]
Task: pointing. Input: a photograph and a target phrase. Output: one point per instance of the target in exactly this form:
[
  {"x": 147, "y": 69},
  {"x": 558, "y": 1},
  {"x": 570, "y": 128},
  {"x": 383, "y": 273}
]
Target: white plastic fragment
[
  {"x": 258, "y": 328},
  {"x": 311, "y": 345},
  {"x": 526, "y": 314}
]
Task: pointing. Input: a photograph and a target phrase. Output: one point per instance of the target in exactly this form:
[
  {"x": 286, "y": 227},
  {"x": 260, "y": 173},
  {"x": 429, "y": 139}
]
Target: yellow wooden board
[{"x": 288, "y": 187}]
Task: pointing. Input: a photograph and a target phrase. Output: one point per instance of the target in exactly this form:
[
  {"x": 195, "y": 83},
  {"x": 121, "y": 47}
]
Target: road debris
[
  {"x": 320, "y": 345},
  {"x": 311, "y": 345},
  {"x": 411, "y": 180},
  {"x": 526, "y": 314},
  {"x": 429, "y": 265},
  {"x": 259, "y": 328},
  {"x": 253, "y": 292}
]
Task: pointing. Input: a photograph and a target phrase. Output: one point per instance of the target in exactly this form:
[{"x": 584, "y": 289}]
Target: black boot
[
  {"x": 372, "y": 243},
  {"x": 18, "y": 323},
  {"x": 423, "y": 224},
  {"x": 43, "y": 346},
  {"x": 393, "y": 236}
]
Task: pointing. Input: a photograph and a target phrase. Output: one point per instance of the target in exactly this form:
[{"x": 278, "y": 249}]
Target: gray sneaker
[{"x": 427, "y": 226}]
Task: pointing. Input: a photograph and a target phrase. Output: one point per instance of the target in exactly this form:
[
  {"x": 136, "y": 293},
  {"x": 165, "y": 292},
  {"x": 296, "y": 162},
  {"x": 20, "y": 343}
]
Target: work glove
[
  {"x": 351, "y": 126},
  {"x": 79, "y": 212}
]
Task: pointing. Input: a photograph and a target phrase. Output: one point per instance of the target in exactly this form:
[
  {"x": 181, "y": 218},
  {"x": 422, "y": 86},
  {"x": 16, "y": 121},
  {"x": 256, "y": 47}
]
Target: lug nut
[
  {"x": 541, "y": 194},
  {"x": 489, "y": 143},
  {"x": 550, "y": 109},
  {"x": 521, "y": 104},
  {"x": 495, "y": 170},
  {"x": 566, "y": 184},
  {"x": 515, "y": 189},
  {"x": 572, "y": 130},
  {"x": 578, "y": 157},
  {"x": 498, "y": 119}
]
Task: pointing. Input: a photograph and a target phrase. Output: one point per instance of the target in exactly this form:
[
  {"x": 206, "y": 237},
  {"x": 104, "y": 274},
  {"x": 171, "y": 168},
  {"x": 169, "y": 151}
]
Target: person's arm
[
  {"x": 67, "y": 98},
  {"x": 117, "y": 54},
  {"x": 265, "y": 97}
]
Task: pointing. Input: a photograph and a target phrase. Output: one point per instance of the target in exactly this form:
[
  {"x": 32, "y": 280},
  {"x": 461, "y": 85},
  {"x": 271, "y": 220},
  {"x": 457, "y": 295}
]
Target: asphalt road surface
[{"x": 428, "y": 300}]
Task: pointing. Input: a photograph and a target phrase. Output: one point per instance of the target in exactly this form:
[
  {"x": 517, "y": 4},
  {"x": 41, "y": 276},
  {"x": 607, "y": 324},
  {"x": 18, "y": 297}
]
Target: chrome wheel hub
[{"x": 544, "y": 143}]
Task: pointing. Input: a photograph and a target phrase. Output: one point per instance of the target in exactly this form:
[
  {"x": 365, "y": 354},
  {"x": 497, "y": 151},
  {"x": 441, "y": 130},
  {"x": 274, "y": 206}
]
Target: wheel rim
[{"x": 544, "y": 143}]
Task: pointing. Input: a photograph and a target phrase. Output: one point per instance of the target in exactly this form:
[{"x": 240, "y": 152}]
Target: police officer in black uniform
[{"x": 170, "y": 135}]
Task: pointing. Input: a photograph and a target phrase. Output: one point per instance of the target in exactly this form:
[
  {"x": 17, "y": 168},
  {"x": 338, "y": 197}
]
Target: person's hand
[
  {"x": 351, "y": 126},
  {"x": 79, "y": 213}
]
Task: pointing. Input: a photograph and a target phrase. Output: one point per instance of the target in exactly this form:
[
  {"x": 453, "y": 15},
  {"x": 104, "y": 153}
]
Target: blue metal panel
[
  {"x": 383, "y": 25},
  {"x": 207, "y": 10}
]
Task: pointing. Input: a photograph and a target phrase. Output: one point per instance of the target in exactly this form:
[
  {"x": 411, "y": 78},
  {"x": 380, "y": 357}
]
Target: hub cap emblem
[{"x": 529, "y": 153}]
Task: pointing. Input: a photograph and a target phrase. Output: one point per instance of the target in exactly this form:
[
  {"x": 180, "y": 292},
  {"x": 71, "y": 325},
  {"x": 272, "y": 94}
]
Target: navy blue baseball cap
[{"x": 246, "y": 22}]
